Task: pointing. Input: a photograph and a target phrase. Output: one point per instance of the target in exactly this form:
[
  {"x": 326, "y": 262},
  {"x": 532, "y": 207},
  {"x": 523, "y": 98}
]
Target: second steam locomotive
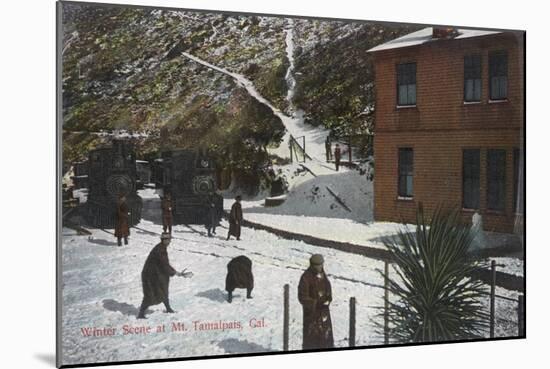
[{"x": 190, "y": 177}]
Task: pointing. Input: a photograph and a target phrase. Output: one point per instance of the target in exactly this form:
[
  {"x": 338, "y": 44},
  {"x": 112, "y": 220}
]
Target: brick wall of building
[{"x": 441, "y": 125}]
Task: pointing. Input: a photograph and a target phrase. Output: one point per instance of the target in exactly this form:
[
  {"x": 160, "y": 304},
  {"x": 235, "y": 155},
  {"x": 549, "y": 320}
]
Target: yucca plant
[{"x": 435, "y": 296}]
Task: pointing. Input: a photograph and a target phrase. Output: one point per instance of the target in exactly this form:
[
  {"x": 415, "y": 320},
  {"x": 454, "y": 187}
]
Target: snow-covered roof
[{"x": 426, "y": 35}]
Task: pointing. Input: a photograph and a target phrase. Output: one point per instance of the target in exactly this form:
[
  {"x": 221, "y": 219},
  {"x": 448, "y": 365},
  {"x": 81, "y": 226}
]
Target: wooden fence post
[
  {"x": 492, "y": 301},
  {"x": 352, "y": 322},
  {"x": 521, "y": 315},
  {"x": 285, "y": 318},
  {"x": 386, "y": 303}
]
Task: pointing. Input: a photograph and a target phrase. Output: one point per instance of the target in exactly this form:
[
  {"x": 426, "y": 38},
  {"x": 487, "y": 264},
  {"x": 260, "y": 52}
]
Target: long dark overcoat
[
  {"x": 239, "y": 274},
  {"x": 235, "y": 220},
  {"x": 211, "y": 213},
  {"x": 122, "y": 228},
  {"x": 314, "y": 291},
  {"x": 337, "y": 154},
  {"x": 155, "y": 277}
]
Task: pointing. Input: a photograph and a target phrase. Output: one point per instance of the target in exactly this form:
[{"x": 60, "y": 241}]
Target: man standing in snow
[
  {"x": 328, "y": 148},
  {"x": 315, "y": 295},
  {"x": 235, "y": 219},
  {"x": 166, "y": 206},
  {"x": 122, "y": 228},
  {"x": 155, "y": 277},
  {"x": 337, "y": 155},
  {"x": 211, "y": 216}
]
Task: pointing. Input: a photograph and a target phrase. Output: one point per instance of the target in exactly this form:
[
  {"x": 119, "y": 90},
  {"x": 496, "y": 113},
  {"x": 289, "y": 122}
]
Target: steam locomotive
[
  {"x": 112, "y": 173},
  {"x": 190, "y": 177}
]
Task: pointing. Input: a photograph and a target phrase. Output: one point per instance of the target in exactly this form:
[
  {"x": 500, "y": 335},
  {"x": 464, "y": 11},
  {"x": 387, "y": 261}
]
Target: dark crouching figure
[
  {"x": 337, "y": 156},
  {"x": 315, "y": 295},
  {"x": 211, "y": 220},
  {"x": 155, "y": 277},
  {"x": 166, "y": 206},
  {"x": 235, "y": 219},
  {"x": 239, "y": 275},
  {"x": 122, "y": 228}
]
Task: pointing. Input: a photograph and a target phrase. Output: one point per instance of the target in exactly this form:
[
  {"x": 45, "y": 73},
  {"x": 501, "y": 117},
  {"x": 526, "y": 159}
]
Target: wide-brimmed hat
[{"x": 316, "y": 259}]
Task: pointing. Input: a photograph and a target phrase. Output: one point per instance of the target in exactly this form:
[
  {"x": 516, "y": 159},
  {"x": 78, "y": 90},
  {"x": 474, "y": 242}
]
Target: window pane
[
  {"x": 403, "y": 95},
  {"x": 472, "y": 67},
  {"x": 412, "y": 73},
  {"x": 498, "y": 75},
  {"x": 472, "y": 78},
  {"x": 477, "y": 90},
  {"x": 503, "y": 87},
  {"x": 411, "y": 100},
  {"x": 470, "y": 179},
  {"x": 469, "y": 90},
  {"x": 405, "y": 185},
  {"x": 496, "y": 179},
  {"x": 409, "y": 185},
  {"x": 406, "y": 84}
]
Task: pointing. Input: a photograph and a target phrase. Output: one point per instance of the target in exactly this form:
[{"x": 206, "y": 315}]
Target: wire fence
[{"x": 493, "y": 319}]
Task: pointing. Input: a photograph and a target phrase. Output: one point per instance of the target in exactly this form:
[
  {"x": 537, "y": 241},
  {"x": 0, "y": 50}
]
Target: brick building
[{"x": 449, "y": 125}]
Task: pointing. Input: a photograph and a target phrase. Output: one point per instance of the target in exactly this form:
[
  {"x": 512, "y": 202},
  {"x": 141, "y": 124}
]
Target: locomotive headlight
[
  {"x": 204, "y": 163},
  {"x": 203, "y": 185}
]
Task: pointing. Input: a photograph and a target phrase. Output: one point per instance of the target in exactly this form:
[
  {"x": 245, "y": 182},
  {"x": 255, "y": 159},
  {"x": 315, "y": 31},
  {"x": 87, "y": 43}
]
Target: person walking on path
[{"x": 235, "y": 219}]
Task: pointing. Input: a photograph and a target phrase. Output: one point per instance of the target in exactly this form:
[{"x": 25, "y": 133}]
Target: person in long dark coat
[
  {"x": 328, "y": 148},
  {"x": 211, "y": 221},
  {"x": 235, "y": 219},
  {"x": 315, "y": 295},
  {"x": 167, "y": 219},
  {"x": 155, "y": 277},
  {"x": 239, "y": 275},
  {"x": 122, "y": 228},
  {"x": 337, "y": 156}
]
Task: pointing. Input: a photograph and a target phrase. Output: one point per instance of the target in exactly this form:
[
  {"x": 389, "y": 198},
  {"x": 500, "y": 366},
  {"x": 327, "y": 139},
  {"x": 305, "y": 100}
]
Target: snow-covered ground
[
  {"x": 102, "y": 289},
  {"x": 514, "y": 266}
]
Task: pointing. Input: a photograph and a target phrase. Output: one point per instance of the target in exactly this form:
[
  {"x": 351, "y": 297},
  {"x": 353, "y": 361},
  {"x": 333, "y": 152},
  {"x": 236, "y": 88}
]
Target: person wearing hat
[
  {"x": 235, "y": 219},
  {"x": 155, "y": 277},
  {"x": 315, "y": 295}
]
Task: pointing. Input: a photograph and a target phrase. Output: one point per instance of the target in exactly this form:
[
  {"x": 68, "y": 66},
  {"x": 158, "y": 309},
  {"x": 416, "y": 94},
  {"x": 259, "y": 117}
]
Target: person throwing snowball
[{"x": 155, "y": 277}]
